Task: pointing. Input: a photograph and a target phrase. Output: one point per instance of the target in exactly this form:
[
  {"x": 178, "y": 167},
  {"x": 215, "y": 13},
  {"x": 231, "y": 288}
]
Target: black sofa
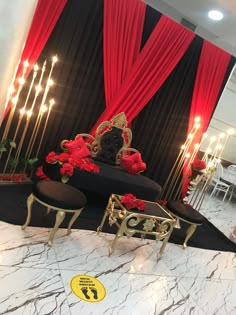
[
  {"x": 107, "y": 148},
  {"x": 110, "y": 179}
]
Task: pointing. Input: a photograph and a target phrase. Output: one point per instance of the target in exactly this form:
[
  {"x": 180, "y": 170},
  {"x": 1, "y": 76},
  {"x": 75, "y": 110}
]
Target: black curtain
[
  {"x": 77, "y": 40},
  {"x": 161, "y": 127}
]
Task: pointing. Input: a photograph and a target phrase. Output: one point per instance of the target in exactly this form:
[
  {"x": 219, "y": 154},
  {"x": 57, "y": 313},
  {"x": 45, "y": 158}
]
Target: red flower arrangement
[
  {"x": 63, "y": 157},
  {"x": 199, "y": 165},
  {"x": 130, "y": 201},
  {"x": 40, "y": 173},
  {"x": 68, "y": 162},
  {"x": 51, "y": 157},
  {"x": 67, "y": 170}
]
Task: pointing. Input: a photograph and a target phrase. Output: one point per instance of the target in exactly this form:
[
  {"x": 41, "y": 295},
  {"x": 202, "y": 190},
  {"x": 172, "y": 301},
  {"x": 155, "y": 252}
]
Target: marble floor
[
  {"x": 35, "y": 279},
  {"x": 221, "y": 214}
]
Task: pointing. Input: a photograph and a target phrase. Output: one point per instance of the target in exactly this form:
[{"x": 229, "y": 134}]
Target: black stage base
[{"x": 13, "y": 210}]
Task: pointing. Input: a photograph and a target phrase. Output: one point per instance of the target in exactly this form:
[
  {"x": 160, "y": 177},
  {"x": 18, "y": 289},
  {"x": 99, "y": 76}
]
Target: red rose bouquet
[
  {"x": 199, "y": 165},
  {"x": 130, "y": 202},
  {"x": 68, "y": 162}
]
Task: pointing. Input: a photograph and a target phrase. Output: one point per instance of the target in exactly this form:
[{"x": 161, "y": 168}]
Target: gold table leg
[
  {"x": 30, "y": 201},
  {"x": 164, "y": 243},
  {"x": 59, "y": 218},
  {"x": 73, "y": 219},
  {"x": 189, "y": 233},
  {"x": 100, "y": 227},
  {"x": 114, "y": 242}
]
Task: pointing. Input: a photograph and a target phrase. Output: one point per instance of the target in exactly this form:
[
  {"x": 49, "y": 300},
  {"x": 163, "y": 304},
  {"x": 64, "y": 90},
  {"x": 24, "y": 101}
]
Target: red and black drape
[{"x": 105, "y": 69}]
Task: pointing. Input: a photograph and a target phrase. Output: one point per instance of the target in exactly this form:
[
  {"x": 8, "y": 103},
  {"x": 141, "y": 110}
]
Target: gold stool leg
[
  {"x": 59, "y": 218},
  {"x": 189, "y": 233},
  {"x": 48, "y": 210},
  {"x": 73, "y": 219},
  {"x": 99, "y": 229},
  {"x": 30, "y": 201}
]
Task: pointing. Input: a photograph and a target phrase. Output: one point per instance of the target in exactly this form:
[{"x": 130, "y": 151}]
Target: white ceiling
[{"x": 221, "y": 33}]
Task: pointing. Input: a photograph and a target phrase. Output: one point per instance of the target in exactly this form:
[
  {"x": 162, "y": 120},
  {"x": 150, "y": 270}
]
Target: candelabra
[{"x": 34, "y": 105}]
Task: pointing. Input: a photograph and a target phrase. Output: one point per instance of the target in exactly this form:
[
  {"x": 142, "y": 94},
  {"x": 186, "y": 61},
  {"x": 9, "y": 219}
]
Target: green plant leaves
[
  {"x": 65, "y": 179},
  {"x": 31, "y": 162},
  {"x": 12, "y": 144},
  {"x": 2, "y": 149}
]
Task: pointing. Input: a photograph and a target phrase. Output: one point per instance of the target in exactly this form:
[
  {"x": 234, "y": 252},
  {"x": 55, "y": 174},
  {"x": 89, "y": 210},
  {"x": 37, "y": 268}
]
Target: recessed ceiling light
[{"x": 215, "y": 15}]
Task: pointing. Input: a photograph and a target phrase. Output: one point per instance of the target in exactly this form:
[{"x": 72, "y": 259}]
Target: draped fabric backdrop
[
  {"x": 212, "y": 68},
  {"x": 122, "y": 34},
  {"x": 46, "y": 15},
  {"x": 163, "y": 50},
  {"x": 154, "y": 89}
]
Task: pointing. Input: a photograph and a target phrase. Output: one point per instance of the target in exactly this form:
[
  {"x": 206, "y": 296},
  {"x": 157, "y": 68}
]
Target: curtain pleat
[
  {"x": 212, "y": 68},
  {"x": 162, "y": 51},
  {"x": 122, "y": 33},
  {"x": 160, "y": 128},
  {"x": 213, "y": 64}
]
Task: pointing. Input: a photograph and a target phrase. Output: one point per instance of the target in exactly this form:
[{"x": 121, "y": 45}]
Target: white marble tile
[
  {"x": 133, "y": 294},
  {"x": 195, "y": 262},
  {"x": 221, "y": 214},
  {"x": 25, "y": 248},
  {"x": 85, "y": 250},
  {"x": 32, "y": 291},
  {"x": 213, "y": 296}
]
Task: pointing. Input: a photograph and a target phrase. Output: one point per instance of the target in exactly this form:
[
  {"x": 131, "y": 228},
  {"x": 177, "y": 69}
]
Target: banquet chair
[
  {"x": 232, "y": 168},
  {"x": 219, "y": 183}
]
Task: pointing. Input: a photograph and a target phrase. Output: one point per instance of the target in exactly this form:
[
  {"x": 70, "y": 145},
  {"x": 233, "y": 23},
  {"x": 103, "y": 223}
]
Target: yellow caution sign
[{"x": 88, "y": 288}]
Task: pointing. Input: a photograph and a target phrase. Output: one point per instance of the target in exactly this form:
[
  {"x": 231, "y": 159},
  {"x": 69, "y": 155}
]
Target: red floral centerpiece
[
  {"x": 197, "y": 167},
  {"x": 131, "y": 202},
  {"x": 67, "y": 164}
]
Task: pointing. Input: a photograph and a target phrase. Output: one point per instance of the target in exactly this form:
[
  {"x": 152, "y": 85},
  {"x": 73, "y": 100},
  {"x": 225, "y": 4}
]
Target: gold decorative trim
[
  {"x": 94, "y": 143},
  {"x": 130, "y": 223}
]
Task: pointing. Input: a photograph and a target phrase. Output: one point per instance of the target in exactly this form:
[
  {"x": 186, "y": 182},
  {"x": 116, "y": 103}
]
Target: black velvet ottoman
[
  {"x": 187, "y": 214},
  {"x": 59, "y": 197}
]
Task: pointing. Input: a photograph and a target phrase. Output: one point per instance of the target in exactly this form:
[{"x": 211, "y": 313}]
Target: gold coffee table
[{"x": 154, "y": 220}]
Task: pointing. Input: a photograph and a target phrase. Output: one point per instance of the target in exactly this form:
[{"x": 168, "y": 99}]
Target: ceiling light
[{"x": 215, "y": 15}]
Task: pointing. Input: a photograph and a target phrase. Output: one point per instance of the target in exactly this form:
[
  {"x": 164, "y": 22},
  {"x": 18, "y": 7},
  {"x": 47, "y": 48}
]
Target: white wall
[
  {"x": 15, "y": 20},
  {"x": 224, "y": 118}
]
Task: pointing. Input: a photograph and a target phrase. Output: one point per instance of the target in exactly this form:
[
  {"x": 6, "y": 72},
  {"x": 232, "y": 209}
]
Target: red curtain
[
  {"x": 163, "y": 50},
  {"x": 122, "y": 34},
  {"x": 46, "y": 15},
  {"x": 213, "y": 64},
  {"x": 211, "y": 71}
]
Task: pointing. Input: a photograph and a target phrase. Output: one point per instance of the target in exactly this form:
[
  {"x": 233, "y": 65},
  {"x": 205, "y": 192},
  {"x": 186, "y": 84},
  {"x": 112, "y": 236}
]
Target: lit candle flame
[
  {"x": 26, "y": 63},
  {"x": 54, "y": 59},
  {"x": 36, "y": 67},
  {"x": 21, "y": 81},
  {"x": 22, "y": 111},
  {"x": 197, "y": 119},
  {"x": 29, "y": 113},
  {"x": 50, "y": 82}
]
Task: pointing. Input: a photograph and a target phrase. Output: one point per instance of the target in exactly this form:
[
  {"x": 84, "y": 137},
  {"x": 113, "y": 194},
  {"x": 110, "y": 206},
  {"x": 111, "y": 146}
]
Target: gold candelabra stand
[{"x": 21, "y": 143}]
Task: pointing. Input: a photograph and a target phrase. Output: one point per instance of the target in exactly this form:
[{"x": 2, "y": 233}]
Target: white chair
[
  {"x": 232, "y": 168},
  {"x": 219, "y": 184}
]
